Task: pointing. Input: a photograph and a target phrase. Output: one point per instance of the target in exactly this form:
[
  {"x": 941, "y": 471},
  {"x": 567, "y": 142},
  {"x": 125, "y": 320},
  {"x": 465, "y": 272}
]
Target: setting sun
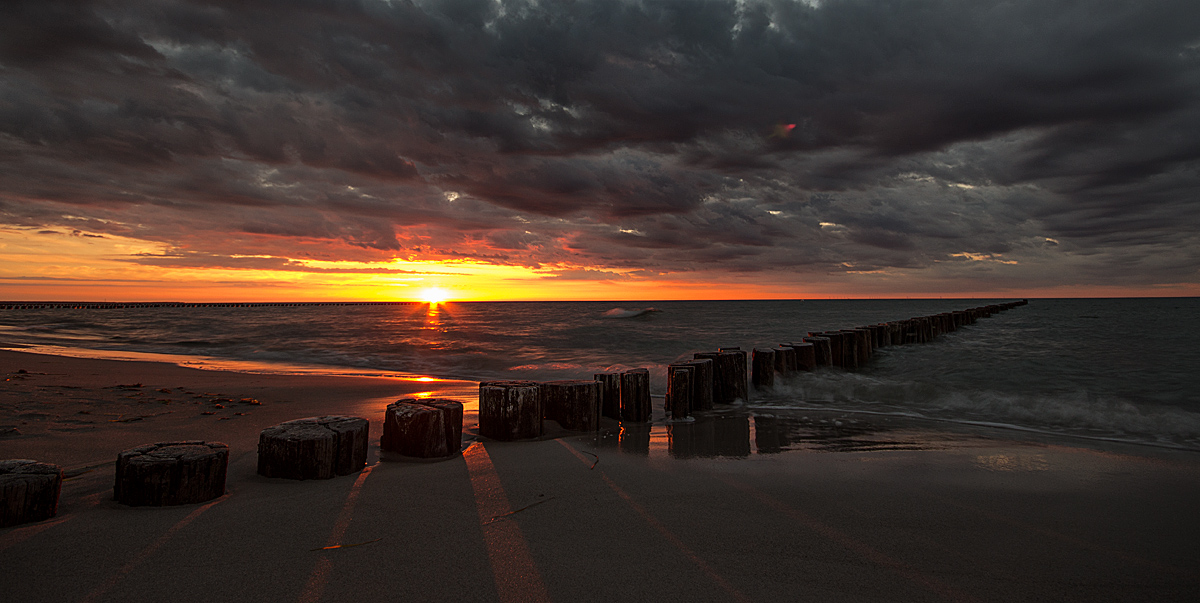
[{"x": 434, "y": 295}]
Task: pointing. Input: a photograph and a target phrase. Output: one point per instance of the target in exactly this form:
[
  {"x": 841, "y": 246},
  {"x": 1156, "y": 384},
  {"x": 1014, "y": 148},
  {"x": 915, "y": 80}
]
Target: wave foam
[
  {"x": 630, "y": 313},
  {"x": 1080, "y": 413}
]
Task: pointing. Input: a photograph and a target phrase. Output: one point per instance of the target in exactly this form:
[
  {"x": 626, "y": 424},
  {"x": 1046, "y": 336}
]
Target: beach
[{"x": 797, "y": 505}]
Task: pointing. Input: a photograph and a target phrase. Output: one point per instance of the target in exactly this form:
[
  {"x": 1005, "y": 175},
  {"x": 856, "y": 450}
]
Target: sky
[{"x": 609, "y": 150}]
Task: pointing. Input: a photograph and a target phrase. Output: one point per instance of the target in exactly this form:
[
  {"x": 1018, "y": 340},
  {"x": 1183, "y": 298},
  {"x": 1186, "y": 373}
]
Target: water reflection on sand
[{"x": 741, "y": 433}]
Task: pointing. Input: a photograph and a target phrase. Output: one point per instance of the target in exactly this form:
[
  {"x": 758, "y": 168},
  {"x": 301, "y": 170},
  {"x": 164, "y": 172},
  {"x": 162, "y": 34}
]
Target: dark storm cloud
[
  {"x": 209, "y": 260},
  {"x": 625, "y": 135}
]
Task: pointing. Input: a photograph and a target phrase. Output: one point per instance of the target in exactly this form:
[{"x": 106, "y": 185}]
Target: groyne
[{"x": 726, "y": 376}]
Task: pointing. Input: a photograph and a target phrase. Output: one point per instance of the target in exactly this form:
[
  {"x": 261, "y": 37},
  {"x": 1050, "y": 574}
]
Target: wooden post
[
  {"x": 679, "y": 390},
  {"x": 610, "y": 394},
  {"x": 635, "y": 395},
  {"x": 763, "y": 373},
  {"x": 702, "y": 383},
  {"x": 28, "y": 491},
  {"x": 314, "y": 448},
  {"x": 510, "y": 410},
  {"x": 882, "y": 338},
  {"x": 863, "y": 337},
  {"x": 837, "y": 354},
  {"x": 849, "y": 349},
  {"x": 733, "y": 365},
  {"x": 785, "y": 360},
  {"x": 821, "y": 349},
  {"x": 171, "y": 473},
  {"x": 806, "y": 356},
  {"x": 575, "y": 404},
  {"x": 718, "y": 388},
  {"x": 453, "y": 411},
  {"x": 423, "y": 427}
]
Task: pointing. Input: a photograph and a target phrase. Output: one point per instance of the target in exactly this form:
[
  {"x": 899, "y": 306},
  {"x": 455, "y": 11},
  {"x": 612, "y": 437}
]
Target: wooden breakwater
[
  {"x": 47, "y": 305},
  {"x": 726, "y": 376},
  {"x": 329, "y": 446}
]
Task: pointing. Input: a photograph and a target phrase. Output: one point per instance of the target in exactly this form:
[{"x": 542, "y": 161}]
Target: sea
[{"x": 1110, "y": 369}]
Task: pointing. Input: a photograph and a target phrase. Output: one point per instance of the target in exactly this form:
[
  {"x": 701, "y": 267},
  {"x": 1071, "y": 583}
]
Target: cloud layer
[{"x": 999, "y": 144}]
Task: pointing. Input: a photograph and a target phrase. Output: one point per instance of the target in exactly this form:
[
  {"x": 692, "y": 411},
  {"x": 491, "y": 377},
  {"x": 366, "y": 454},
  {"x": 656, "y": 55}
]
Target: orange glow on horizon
[{"x": 62, "y": 267}]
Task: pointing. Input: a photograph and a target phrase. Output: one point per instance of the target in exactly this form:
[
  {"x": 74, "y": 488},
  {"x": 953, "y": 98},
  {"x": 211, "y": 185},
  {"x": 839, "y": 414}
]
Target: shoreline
[
  {"x": 367, "y": 393},
  {"x": 88, "y": 401},
  {"x": 214, "y": 363},
  {"x": 457, "y": 388},
  {"x": 731, "y": 506}
]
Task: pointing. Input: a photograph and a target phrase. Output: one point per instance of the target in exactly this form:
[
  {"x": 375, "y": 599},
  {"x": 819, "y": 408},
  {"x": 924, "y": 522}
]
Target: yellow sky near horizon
[
  {"x": 78, "y": 267},
  {"x": 67, "y": 266}
]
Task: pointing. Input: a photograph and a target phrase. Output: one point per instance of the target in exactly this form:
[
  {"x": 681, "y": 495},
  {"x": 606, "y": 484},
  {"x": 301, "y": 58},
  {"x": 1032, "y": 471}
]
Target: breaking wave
[{"x": 630, "y": 313}]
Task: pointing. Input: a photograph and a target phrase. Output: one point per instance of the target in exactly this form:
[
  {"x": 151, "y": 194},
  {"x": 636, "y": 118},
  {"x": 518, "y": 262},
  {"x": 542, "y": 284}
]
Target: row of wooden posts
[
  {"x": 514, "y": 410},
  {"x": 185, "y": 472},
  {"x": 193, "y": 471}
]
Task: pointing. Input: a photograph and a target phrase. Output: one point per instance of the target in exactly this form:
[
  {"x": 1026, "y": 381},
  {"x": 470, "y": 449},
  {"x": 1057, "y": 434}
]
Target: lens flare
[{"x": 434, "y": 295}]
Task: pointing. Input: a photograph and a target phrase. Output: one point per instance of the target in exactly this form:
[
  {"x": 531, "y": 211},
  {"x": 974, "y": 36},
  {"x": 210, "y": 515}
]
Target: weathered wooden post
[
  {"x": 719, "y": 388},
  {"x": 28, "y": 491},
  {"x": 510, "y": 410},
  {"x": 763, "y": 373},
  {"x": 314, "y": 447},
  {"x": 575, "y": 404},
  {"x": 423, "y": 427},
  {"x": 862, "y": 345},
  {"x": 610, "y": 394},
  {"x": 836, "y": 347},
  {"x": 921, "y": 324},
  {"x": 821, "y": 349},
  {"x": 729, "y": 374},
  {"x": 940, "y": 324},
  {"x": 882, "y": 339},
  {"x": 171, "y": 473},
  {"x": 680, "y": 379},
  {"x": 865, "y": 351},
  {"x": 849, "y": 349},
  {"x": 915, "y": 334},
  {"x": 702, "y": 383},
  {"x": 635, "y": 395},
  {"x": 806, "y": 356},
  {"x": 785, "y": 360},
  {"x": 733, "y": 365}
]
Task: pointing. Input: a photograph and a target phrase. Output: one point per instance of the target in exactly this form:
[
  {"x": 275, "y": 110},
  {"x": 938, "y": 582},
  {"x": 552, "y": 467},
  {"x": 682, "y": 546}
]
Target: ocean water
[{"x": 1120, "y": 369}]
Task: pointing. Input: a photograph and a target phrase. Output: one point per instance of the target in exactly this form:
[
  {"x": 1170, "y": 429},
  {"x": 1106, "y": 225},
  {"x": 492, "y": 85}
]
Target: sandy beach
[{"x": 733, "y": 507}]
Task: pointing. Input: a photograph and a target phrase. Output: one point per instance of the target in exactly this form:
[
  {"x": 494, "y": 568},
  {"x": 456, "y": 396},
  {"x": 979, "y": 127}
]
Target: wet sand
[{"x": 737, "y": 506}]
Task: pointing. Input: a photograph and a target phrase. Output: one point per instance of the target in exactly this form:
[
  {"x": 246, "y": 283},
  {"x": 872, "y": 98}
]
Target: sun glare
[{"x": 434, "y": 295}]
